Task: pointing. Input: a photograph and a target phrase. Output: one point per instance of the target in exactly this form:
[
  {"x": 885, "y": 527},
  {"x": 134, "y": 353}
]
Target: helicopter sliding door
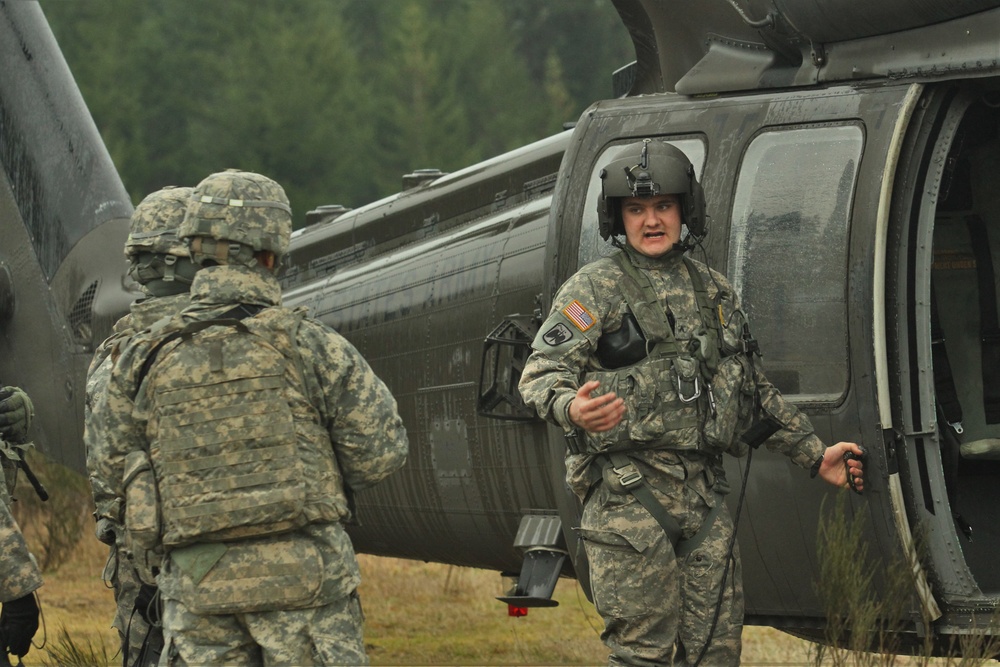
[{"x": 942, "y": 290}]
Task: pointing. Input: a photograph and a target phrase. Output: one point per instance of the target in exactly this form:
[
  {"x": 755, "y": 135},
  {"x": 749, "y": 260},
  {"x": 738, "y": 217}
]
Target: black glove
[
  {"x": 16, "y": 412},
  {"x": 18, "y": 624}
]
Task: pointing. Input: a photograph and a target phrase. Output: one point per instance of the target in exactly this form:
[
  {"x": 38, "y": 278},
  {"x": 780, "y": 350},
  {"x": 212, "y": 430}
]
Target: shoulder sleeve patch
[
  {"x": 557, "y": 335},
  {"x": 578, "y": 315}
]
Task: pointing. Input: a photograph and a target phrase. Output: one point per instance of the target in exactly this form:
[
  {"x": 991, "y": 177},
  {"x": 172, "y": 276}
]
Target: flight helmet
[
  {"x": 154, "y": 251},
  {"x": 647, "y": 169},
  {"x": 234, "y": 214}
]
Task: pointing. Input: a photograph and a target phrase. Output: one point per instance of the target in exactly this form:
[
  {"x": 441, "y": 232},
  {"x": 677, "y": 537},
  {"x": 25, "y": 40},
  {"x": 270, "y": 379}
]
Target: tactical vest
[
  {"x": 679, "y": 397},
  {"x": 236, "y": 449}
]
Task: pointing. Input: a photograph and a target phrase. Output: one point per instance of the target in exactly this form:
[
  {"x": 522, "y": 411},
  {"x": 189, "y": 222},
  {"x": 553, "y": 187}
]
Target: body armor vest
[
  {"x": 236, "y": 448},
  {"x": 682, "y": 397}
]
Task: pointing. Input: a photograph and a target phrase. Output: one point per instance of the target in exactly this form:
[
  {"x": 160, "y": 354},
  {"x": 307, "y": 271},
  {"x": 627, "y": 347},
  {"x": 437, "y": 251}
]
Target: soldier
[
  {"x": 241, "y": 429},
  {"x": 161, "y": 264},
  {"x": 19, "y": 574},
  {"x": 646, "y": 361}
]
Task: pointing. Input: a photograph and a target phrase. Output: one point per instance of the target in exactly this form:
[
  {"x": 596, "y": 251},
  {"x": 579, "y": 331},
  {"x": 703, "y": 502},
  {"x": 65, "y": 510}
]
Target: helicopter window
[
  {"x": 592, "y": 246},
  {"x": 790, "y": 228}
]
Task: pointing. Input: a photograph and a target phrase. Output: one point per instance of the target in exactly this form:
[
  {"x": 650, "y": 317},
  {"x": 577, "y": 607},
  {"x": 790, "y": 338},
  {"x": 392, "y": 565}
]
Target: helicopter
[{"x": 847, "y": 153}]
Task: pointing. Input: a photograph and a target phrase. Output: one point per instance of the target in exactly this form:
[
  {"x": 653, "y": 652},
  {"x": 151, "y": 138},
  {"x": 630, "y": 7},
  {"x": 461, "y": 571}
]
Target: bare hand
[
  {"x": 601, "y": 413},
  {"x": 832, "y": 468}
]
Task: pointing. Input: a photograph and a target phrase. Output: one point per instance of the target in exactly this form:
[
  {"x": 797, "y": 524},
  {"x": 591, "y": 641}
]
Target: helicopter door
[{"x": 947, "y": 268}]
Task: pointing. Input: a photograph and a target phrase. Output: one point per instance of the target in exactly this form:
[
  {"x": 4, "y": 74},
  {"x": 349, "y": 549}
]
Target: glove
[
  {"x": 16, "y": 412},
  {"x": 18, "y": 623},
  {"x": 105, "y": 531}
]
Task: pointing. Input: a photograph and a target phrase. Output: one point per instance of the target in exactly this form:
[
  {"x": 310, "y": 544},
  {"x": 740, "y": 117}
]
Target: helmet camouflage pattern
[
  {"x": 647, "y": 169},
  {"x": 237, "y": 207},
  {"x": 154, "y": 223}
]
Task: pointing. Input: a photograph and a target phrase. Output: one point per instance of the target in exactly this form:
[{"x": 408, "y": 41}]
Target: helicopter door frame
[{"x": 906, "y": 220}]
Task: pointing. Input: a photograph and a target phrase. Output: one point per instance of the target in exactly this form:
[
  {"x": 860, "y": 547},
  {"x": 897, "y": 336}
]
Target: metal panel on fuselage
[{"x": 420, "y": 315}]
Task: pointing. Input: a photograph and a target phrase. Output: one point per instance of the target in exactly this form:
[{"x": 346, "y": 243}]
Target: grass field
[{"x": 416, "y": 614}]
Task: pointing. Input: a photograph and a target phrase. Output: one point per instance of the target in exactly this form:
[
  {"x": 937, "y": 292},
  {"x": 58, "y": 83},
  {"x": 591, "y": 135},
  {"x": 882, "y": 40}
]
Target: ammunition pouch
[
  {"x": 622, "y": 347},
  {"x": 656, "y": 417},
  {"x": 731, "y": 406},
  {"x": 142, "y": 502},
  {"x": 272, "y": 573}
]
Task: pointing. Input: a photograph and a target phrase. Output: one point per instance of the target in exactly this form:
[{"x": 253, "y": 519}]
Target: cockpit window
[
  {"x": 592, "y": 246},
  {"x": 790, "y": 229}
]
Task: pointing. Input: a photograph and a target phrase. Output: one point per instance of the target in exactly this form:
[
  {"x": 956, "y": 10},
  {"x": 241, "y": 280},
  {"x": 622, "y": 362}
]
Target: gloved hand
[
  {"x": 16, "y": 413},
  {"x": 18, "y": 624},
  {"x": 105, "y": 530}
]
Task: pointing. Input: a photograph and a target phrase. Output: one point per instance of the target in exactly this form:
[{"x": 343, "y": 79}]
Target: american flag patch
[{"x": 579, "y": 316}]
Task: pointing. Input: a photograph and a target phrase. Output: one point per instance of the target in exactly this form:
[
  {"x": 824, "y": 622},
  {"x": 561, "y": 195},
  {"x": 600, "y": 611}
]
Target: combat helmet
[
  {"x": 646, "y": 169},
  {"x": 155, "y": 253},
  {"x": 234, "y": 214}
]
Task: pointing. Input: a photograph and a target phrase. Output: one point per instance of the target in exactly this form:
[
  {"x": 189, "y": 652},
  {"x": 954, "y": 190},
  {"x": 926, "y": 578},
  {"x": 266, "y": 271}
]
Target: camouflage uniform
[
  {"x": 653, "y": 604},
  {"x": 160, "y": 263},
  {"x": 19, "y": 573},
  {"x": 358, "y": 414},
  {"x": 120, "y": 569}
]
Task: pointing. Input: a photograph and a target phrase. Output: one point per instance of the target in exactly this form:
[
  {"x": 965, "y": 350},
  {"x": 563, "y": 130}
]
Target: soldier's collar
[{"x": 665, "y": 261}]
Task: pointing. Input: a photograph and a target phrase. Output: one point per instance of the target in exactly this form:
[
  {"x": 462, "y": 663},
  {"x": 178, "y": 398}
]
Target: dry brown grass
[{"x": 416, "y": 614}]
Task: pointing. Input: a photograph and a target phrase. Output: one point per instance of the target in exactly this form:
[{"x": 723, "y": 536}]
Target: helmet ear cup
[
  {"x": 609, "y": 222},
  {"x": 694, "y": 209}
]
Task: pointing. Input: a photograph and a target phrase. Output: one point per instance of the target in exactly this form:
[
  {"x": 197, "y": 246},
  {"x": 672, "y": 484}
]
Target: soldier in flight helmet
[
  {"x": 644, "y": 362},
  {"x": 159, "y": 261},
  {"x": 647, "y": 169},
  {"x": 238, "y": 387}
]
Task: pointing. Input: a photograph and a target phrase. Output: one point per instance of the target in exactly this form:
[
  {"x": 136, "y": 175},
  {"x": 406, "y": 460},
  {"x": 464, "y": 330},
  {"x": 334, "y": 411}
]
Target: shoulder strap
[
  {"x": 231, "y": 318},
  {"x": 709, "y": 313},
  {"x": 646, "y": 306}
]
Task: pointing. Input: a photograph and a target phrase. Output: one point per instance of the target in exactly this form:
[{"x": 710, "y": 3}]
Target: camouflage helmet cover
[
  {"x": 646, "y": 169},
  {"x": 154, "y": 223},
  {"x": 240, "y": 207}
]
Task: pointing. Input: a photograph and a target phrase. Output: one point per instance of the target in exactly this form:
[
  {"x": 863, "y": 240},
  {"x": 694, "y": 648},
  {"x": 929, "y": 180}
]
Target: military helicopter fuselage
[
  {"x": 847, "y": 152},
  {"x": 63, "y": 221},
  {"x": 840, "y": 163}
]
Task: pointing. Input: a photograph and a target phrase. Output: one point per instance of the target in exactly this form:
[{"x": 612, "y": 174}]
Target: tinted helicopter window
[
  {"x": 788, "y": 253},
  {"x": 592, "y": 246}
]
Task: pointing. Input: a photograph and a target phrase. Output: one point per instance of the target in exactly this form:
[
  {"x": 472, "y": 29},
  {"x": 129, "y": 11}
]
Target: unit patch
[
  {"x": 557, "y": 335},
  {"x": 579, "y": 316}
]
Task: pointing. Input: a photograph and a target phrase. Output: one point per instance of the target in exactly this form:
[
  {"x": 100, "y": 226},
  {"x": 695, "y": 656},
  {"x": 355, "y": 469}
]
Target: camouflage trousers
[
  {"x": 327, "y": 635},
  {"x": 658, "y": 610}
]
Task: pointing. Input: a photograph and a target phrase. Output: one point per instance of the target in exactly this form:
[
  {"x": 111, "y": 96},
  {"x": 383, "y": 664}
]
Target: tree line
[{"x": 335, "y": 99}]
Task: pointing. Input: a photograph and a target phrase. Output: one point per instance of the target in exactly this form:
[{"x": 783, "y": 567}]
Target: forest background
[{"x": 334, "y": 99}]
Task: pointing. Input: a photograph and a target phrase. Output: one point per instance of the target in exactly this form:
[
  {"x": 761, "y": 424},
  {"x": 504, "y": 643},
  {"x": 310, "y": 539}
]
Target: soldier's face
[{"x": 652, "y": 224}]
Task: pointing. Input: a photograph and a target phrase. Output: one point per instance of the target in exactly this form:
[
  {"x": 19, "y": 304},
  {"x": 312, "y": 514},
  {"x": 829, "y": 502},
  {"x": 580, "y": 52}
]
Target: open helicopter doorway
[{"x": 965, "y": 334}]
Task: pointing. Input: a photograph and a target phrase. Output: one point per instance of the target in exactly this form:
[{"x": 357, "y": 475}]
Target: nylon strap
[
  {"x": 709, "y": 317},
  {"x": 640, "y": 488},
  {"x": 989, "y": 327},
  {"x": 944, "y": 380},
  {"x": 649, "y": 312}
]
